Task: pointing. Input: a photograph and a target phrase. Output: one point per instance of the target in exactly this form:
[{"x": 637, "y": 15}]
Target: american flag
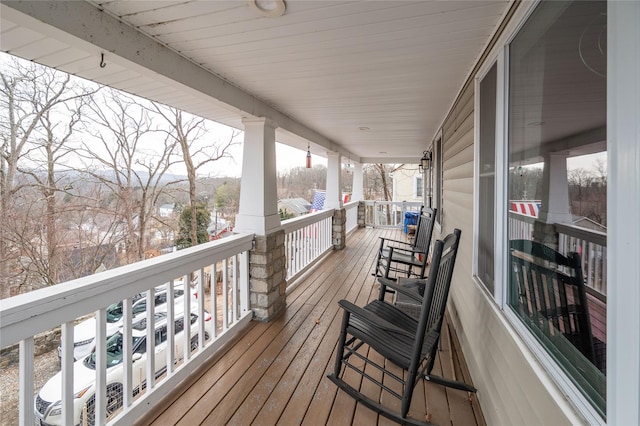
[{"x": 318, "y": 201}]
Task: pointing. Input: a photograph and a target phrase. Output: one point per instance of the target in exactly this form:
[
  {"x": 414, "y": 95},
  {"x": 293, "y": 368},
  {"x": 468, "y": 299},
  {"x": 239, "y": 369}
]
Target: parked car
[
  {"x": 84, "y": 333},
  {"x": 48, "y": 401}
]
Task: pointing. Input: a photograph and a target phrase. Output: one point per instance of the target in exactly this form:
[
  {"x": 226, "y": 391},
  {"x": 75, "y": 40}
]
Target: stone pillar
[
  {"x": 267, "y": 273},
  {"x": 339, "y": 229},
  {"x": 362, "y": 211}
]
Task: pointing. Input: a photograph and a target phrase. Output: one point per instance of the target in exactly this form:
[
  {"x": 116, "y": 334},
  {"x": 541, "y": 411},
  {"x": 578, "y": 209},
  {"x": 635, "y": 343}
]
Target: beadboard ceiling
[{"x": 370, "y": 79}]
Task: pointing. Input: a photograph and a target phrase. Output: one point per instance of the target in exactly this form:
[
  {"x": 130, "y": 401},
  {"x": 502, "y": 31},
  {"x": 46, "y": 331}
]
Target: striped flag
[{"x": 527, "y": 208}]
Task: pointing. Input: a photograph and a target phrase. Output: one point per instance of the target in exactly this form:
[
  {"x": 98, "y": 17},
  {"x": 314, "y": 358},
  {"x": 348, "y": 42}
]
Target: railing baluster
[
  {"x": 151, "y": 339},
  {"x": 127, "y": 347},
  {"x": 201, "y": 314},
  {"x": 225, "y": 295},
  {"x": 234, "y": 280},
  {"x": 171, "y": 315},
  {"x": 186, "y": 318},
  {"x": 67, "y": 373},
  {"x": 26, "y": 382},
  {"x": 101, "y": 366},
  {"x": 244, "y": 281},
  {"x": 214, "y": 297}
]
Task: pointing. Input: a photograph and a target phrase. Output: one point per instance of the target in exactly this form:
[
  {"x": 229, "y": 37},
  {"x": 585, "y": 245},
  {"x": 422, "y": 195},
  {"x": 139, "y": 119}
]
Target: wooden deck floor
[{"x": 276, "y": 372}]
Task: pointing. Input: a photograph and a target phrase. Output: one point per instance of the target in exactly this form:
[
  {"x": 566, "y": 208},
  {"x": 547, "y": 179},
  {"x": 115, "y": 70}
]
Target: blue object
[{"x": 410, "y": 218}]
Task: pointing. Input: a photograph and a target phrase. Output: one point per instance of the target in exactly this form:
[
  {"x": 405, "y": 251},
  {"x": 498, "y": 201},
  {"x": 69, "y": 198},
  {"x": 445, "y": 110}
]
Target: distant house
[
  {"x": 294, "y": 206},
  {"x": 408, "y": 183},
  {"x": 218, "y": 228},
  {"x": 166, "y": 210}
]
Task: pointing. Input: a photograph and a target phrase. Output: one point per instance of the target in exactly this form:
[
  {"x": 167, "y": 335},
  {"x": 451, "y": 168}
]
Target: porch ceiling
[{"x": 372, "y": 79}]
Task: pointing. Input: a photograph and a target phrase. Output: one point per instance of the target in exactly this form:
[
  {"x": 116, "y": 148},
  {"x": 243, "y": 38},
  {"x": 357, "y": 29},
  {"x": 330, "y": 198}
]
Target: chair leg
[
  {"x": 341, "y": 340},
  {"x": 450, "y": 383},
  {"x": 375, "y": 406}
]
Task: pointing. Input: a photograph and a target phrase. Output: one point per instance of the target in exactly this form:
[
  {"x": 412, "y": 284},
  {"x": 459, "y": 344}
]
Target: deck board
[{"x": 275, "y": 373}]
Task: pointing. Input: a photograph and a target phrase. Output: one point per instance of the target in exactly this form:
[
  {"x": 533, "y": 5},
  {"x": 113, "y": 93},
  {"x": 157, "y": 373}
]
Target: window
[
  {"x": 419, "y": 185},
  {"x": 486, "y": 184},
  {"x": 557, "y": 113},
  {"x": 437, "y": 170}
]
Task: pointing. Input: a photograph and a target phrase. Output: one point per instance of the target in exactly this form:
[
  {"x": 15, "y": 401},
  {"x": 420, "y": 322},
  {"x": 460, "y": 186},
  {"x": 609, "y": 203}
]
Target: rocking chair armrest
[
  {"x": 371, "y": 318},
  {"x": 407, "y": 251},
  {"x": 394, "y": 241},
  {"x": 409, "y": 292}
]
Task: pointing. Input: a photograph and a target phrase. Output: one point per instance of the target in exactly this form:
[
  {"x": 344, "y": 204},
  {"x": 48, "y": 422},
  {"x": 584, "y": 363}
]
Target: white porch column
[
  {"x": 333, "y": 198},
  {"x": 555, "y": 187},
  {"x": 258, "y": 212},
  {"x": 357, "y": 192}
]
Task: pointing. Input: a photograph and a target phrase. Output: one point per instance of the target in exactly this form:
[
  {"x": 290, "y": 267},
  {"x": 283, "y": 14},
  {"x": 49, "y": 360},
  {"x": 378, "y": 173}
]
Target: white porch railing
[
  {"x": 25, "y": 316},
  {"x": 306, "y": 239},
  {"x": 388, "y": 214},
  {"x": 352, "y": 215},
  {"x": 592, "y": 246}
]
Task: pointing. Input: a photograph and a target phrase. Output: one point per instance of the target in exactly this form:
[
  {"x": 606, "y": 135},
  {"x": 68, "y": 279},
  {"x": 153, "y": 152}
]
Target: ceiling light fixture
[
  {"x": 269, "y": 8},
  {"x": 308, "y": 157}
]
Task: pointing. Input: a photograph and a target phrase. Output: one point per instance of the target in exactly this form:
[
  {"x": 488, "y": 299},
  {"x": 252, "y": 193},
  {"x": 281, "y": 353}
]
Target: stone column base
[
  {"x": 339, "y": 229},
  {"x": 267, "y": 276},
  {"x": 361, "y": 215}
]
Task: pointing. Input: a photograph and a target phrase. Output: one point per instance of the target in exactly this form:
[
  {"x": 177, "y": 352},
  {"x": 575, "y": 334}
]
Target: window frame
[
  {"x": 556, "y": 380},
  {"x": 438, "y": 178},
  {"x": 418, "y": 186}
]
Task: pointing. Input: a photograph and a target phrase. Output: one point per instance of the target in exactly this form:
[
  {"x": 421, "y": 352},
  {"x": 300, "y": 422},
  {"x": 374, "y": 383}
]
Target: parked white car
[
  {"x": 48, "y": 402},
  {"x": 84, "y": 333}
]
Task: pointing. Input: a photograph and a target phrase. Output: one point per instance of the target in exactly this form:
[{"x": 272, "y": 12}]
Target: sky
[{"x": 287, "y": 157}]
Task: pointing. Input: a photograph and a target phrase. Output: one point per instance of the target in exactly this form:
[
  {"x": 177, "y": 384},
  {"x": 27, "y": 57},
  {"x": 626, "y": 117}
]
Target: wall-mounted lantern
[{"x": 425, "y": 162}]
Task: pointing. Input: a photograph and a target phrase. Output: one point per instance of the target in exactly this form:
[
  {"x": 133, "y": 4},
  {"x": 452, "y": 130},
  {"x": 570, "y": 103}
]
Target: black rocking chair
[
  {"x": 402, "y": 257},
  {"x": 409, "y": 343}
]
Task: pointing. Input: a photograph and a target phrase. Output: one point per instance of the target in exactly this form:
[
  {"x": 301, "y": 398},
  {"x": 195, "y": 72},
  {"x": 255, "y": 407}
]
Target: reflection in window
[
  {"x": 557, "y": 112},
  {"x": 487, "y": 172}
]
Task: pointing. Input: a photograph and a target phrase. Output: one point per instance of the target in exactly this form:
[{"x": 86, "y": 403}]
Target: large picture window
[{"x": 557, "y": 187}]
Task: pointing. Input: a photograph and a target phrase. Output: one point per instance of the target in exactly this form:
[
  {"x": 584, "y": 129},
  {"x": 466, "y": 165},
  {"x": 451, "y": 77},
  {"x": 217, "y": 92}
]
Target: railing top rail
[
  {"x": 406, "y": 203},
  {"x": 300, "y": 222},
  {"x": 591, "y": 235},
  {"x": 522, "y": 217},
  {"x": 351, "y": 204},
  {"x": 48, "y": 307}
]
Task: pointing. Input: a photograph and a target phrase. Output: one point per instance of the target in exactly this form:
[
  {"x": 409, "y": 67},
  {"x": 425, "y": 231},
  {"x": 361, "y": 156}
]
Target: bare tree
[
  {"x": 30, "y": 95},
  {"x": 127, "y": 161},
  {"x": 190, "y": 134},
  {"x": 380, "y": 183}
]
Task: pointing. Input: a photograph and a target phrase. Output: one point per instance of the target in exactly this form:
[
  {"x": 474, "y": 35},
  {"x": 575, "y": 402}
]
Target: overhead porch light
[{"x": 269, "y": 8}]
